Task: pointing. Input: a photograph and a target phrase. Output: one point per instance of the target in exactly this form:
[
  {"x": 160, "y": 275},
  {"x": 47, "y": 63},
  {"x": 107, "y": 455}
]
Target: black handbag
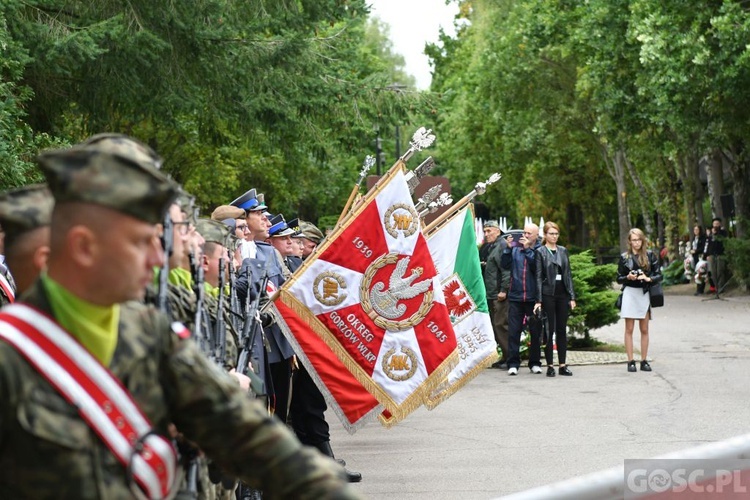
[
  {"x": 618, "y": 302},
  {"x": 656, "y": 295}
]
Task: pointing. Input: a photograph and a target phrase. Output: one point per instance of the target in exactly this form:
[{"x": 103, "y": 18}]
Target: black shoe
[
  {"x": 550, "y": 371},
  {"x": 645, "y": 367},
  {"x": 498, "y": 364},
  {"x": 352, "y": 477},
  {"x": 631, "y": 366},
  {"x": 565, "y": 371},
  {"x": 325, "y": 449}
]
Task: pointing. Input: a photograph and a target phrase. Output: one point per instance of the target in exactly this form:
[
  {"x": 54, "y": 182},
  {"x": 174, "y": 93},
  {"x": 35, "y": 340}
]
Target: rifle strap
[{"x": 102, "y": 402}]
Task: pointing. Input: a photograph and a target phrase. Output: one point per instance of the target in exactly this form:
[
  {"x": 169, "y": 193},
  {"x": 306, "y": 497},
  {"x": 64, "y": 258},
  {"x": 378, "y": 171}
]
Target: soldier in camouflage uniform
[
  {"x": 25, "y": 215},
  {"x": 215, "y": 235},
  {"x": 103, "y": 251}
]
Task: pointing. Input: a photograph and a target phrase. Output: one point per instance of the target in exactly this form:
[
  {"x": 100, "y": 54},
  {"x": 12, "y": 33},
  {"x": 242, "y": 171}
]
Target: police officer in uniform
[
  {"x": 265, "y": 263},
  {"x": 102, "y": 254}
]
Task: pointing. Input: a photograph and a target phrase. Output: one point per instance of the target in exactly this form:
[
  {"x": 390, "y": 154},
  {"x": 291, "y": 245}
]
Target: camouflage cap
[
  {"x": 186, "y": 202},
  {"x": 310, "y": 231},
  {"x": 227, "y": 212},
  {"x": 233, "y": 242},
  {"x": 213, "y": 231},
  {"x": 113, "y": 171},
  {"x": 24, "y": 209}
]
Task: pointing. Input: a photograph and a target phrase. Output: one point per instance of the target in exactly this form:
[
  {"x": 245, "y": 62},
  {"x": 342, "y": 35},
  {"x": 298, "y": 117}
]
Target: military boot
[{"x": 325, "y": 449}]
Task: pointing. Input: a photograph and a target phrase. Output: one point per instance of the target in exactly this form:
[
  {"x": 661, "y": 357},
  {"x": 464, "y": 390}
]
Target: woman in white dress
[{"x": 638, "y": 268}]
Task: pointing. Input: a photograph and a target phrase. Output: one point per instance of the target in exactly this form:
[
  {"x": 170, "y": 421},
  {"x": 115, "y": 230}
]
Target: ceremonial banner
[
  {"x": 345, "y": 396},
  {"x": 372, "y": 294},
  {"x": 454, "y": 251}
]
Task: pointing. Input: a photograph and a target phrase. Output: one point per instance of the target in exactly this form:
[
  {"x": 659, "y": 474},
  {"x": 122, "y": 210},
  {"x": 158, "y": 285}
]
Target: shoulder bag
[{"x": 656, "y": 295}]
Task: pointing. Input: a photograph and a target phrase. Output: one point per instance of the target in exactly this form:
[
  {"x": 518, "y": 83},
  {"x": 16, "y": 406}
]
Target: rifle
[
  {"x": 233, "y": 300},
  {"x": 201, "y": 334},
  {"x": 167, "y": 241},
  {"x": 220, "y": 329},
  {"x": 250, "y": 329},
  {"x": 252, "y": 323}
]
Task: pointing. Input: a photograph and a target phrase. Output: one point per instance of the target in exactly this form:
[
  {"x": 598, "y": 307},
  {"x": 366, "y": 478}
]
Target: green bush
[
  {"x": 674, "y": 274},
  {"x": 595, "y": 297},
  {"x": 327, "y": 222},
  {"x": 738, "y": 258}
]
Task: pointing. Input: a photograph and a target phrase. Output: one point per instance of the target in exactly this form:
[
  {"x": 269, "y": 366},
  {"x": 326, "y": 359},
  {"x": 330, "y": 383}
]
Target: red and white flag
[
  {"x": 346, "y": 397},
  {"x": 372, "y": 294}
]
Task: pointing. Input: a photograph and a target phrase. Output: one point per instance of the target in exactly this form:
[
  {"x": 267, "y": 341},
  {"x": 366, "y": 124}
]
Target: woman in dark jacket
[
  {"x": 638, "y": 268},
  {"x": 554, "y": 285}
]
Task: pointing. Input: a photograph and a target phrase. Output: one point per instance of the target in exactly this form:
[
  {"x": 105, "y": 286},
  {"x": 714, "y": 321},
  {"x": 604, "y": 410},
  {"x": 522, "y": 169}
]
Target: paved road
[{"x": 504, "y": 434}]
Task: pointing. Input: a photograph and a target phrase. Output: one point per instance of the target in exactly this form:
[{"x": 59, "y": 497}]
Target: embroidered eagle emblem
[{"x": 400, "y": 287}]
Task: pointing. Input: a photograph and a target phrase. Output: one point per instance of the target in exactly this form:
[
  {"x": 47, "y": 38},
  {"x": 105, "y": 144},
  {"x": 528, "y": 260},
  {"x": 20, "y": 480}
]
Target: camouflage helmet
[
  {"x": 110, "y": 170},
  {"x": 186, "y": 202},
  {"x": 24, "y": 209},
  {"x": 213, "y": 231},
  {"x": 310, "y": 231}
]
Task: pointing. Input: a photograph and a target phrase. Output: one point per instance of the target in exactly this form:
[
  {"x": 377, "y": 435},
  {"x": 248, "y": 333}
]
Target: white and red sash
[
  {"x": 7, "y": 288},
  {"x": 102, "y": 401}
]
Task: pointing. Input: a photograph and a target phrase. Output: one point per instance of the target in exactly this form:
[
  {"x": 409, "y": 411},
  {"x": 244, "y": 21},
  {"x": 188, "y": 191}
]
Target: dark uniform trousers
[{"x": 307, "y": 410}]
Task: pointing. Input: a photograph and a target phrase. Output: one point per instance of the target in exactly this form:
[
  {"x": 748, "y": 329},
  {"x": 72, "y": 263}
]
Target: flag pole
[
  {"x": 479, "y": 189},
  {"x": 421, "y": 139},
  {"x": 366, "y": 166}
]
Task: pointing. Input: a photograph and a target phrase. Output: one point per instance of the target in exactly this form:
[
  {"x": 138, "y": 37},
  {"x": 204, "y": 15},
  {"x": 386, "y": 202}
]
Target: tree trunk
[
  {"x": 623, "y": 212},
  {"x": 700, "y": 195},
  {"x": 643, "y": 200},
  {"x": 740, "y": 171},
  {"x": 715, "y": 183},
  {"x": 692, "y": 191}
]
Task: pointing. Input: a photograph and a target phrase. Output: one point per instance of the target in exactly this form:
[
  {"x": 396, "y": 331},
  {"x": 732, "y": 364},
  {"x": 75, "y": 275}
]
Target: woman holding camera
[
  {"x": 638, "y": 268},
  {"x": 554, "y": 288}
]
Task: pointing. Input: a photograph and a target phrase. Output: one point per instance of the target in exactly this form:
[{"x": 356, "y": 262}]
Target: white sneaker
[
  {"x": 513, "y": 371},
  {"x": 536, "y": 369}
]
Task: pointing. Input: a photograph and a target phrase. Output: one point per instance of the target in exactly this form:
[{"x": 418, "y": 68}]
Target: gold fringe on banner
[{"x": 441, "y": 394}]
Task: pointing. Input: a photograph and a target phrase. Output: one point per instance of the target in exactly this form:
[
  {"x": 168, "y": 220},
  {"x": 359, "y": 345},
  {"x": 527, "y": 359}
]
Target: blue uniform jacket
[{"x": 520, "y": 264}]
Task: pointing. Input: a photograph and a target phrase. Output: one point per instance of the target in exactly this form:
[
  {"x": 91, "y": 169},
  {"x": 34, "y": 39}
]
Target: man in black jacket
[
  {"x": 715, "y": 254},
  {"x": 519, "y": 262},
  {"x": 492, "y": 234}
]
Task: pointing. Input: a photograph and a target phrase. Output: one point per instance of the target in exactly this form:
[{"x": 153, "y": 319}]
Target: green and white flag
[{"x": 454, "y": 250}]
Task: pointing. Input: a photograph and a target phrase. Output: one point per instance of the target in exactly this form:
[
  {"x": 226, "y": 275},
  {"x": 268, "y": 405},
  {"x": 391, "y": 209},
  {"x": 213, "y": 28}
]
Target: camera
[{"x": 515, "y": 240}]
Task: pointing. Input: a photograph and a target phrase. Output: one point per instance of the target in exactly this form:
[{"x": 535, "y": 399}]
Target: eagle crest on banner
[
  {"x": 386, "y": 304},
  {"x": 457, "y": 299}
]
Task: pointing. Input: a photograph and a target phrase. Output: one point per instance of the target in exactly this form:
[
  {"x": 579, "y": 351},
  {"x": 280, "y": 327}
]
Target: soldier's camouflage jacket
[
  {"x": 182, "y": 305},
  {"x": 48, "y": 451}
]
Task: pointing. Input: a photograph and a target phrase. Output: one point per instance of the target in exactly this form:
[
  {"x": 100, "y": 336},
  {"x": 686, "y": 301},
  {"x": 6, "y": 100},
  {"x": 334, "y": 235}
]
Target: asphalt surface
[{"x": 503, "y": 434}]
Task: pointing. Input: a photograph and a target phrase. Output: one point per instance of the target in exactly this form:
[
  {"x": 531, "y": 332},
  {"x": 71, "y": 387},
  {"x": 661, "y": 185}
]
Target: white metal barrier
[{"x": 609, "y": 484}]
